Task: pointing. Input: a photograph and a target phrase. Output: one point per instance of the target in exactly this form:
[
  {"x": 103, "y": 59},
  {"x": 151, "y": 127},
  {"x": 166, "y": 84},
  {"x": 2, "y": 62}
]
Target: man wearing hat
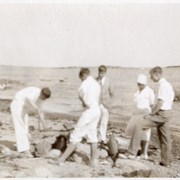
[
  {"x": 106, "y": 98},
  {"x": 24, "y": 101},
  {"x": 144, "y": 100}
]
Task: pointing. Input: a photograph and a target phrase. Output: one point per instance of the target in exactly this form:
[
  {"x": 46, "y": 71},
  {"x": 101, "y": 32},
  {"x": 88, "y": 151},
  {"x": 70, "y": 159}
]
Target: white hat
[{"x": 142, "y": 79}]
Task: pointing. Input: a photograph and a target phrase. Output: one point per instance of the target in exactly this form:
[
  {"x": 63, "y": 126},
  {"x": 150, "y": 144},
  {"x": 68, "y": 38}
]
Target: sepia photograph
[{"x": 89, "y": 89}]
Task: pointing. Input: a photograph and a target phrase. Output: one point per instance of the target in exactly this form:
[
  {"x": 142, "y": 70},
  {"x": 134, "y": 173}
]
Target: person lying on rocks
[
  {"x": 21, "y": 106},
  {"x": 144, "y": 99},
  {"x": 89, "y": 94}
]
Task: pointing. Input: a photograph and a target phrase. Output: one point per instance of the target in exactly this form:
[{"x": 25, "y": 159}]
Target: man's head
[
  {"x": 141, "y": 81},
  {"x": 45, "y": 93},
  {"x": 156, "y": 73},
  {"x": 84, "y": 73},
  {"x": 102, "y": 71}
]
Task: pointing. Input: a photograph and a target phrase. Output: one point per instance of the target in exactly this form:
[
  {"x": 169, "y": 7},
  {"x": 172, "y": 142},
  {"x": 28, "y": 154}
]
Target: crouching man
[
  {"x": 24, "y": 101},
  {"x": 89, "y": 94}
]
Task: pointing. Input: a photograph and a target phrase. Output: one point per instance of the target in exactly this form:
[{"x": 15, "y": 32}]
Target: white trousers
[
  {"x": 103, "y": 122},
  {"x": 87, "y": 126},
  {"x": 20, "y": 120}
]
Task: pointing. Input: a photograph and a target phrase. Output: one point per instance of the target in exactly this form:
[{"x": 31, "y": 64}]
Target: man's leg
[
  {"x": 144, "y": 149},
  {"x": 136, "y": 136},
  {"x": 67, "y": 152},
  {"x": 103, "y": 123},
  {"x": 94, "y": 155},
  {"x": 21, "y": 132},
  {"x": 165, "y": 143}
]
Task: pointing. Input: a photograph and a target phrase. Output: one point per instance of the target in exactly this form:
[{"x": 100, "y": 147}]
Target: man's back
[{"x": 90, "y": 92}]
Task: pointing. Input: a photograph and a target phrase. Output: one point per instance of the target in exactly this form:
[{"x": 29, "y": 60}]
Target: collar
[{"x": 161, "y": 80}]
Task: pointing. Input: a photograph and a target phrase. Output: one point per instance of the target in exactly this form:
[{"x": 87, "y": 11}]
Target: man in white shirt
[
  {"x": 159, "y": 117},
  {"x": 106, "y": 98},
  {"x": 89, "y": 94},
  {"x": 24, "y": 101},
  {"x": 144, "y": 99}
]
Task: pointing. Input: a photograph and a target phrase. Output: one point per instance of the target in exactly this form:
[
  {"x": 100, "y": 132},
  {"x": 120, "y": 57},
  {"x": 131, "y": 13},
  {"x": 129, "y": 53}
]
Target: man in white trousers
[
  {"x": 89, "y": 93},
  {"x": 24, "y": 101},
  {"x": 106, "y": 98}
]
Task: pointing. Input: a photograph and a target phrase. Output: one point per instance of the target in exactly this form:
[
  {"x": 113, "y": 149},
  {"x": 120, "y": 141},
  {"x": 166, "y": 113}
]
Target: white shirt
[
  {"x": 89, "y": 92},
  {"x": 103, "y": 80},
  {"x": 166, "y": 93},
  {"x": 30, "y": 93},
  {"x": 145, "y": 98}
]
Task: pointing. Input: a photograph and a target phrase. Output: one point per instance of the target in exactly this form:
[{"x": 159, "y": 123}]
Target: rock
[
  {"x": 31, "y": 128},
  {"x": 122, "y": 156},
  {"x": 80, "y": 157},
  {"x": 43, "y": 172},
  {"x": 102, "y": 153},
  {"x": 5, "y": 151},
  {"x": 54, "y": 153},
  {"x": 5, "y": 174},
  {"x": 42, "y": 148},
  {"x": 132, "y": 168},
  {"x": 83, "y": 148},
  {"x": 77, "y": 158},
  {"x": 123, "y": 142}
]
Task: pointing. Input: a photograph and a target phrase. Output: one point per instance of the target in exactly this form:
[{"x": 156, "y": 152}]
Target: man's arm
[
  {"x": 111, "y": 90},
  {"x": 40, "y": 113},
  {"x": 157, "y": 107},
  {"x": 41, "y": 119}
]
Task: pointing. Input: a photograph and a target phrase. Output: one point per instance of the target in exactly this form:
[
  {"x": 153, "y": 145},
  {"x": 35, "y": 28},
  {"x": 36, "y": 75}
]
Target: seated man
[
  {"x": 144, "y": 99},
  {"x": 89, "y": 94},
  {"x": 24, "y": 101}
]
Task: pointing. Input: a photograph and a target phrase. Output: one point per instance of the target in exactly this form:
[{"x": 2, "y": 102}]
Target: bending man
[{"x": 24, "y": 101}]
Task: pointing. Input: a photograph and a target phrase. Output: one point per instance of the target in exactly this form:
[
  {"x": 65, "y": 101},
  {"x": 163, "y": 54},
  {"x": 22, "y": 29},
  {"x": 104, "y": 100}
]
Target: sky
[{"x": 90, "y": 34}]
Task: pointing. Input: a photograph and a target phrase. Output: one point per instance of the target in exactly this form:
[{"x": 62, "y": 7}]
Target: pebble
[{"x": 54, "y": 153}]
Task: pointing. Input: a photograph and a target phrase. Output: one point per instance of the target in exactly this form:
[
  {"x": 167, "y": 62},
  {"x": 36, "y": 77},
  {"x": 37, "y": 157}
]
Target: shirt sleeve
[{"x": 162, "y": 95}]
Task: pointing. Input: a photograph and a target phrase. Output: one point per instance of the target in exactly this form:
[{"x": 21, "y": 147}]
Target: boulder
[
  {"x": 42, "y": 148},
  {"x": 5, "y": 151},
  {"x": 54, "y": 153},
  {"x": 83, "y": 148},
  {"x": 133, "y": 168},
  {"x": 123, "y": 143},
  {"x": 102, "y": 153}
]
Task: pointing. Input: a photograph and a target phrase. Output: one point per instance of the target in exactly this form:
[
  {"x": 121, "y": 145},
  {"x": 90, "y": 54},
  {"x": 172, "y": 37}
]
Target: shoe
[
  {"x": 144, "y": 156},
  {"x": 93, "y": 163},
  {"x": 165, "y": 165}
]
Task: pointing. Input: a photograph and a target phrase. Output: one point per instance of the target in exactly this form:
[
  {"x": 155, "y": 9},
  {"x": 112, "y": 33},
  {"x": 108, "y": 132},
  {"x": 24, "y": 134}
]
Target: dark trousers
[{"x": 160, "y": 121}]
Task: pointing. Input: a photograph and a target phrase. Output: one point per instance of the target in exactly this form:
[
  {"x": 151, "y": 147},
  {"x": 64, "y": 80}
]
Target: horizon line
[{"x": 109, "y": 66}]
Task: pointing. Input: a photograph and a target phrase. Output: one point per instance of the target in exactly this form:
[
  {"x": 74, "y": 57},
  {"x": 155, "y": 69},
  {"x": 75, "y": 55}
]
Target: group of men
[{"x": 97, "y": 96}]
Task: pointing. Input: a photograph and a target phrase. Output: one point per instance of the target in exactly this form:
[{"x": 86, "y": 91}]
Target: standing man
[
  {"x": 106, "y": 98},
  {"x": 89, "y": 93},
  {"x": 23, "y": 102},
  {"x": 159, "y": 118}
]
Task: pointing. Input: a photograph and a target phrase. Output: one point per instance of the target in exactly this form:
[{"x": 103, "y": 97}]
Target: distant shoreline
[{"x": 78, "y": 67}]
